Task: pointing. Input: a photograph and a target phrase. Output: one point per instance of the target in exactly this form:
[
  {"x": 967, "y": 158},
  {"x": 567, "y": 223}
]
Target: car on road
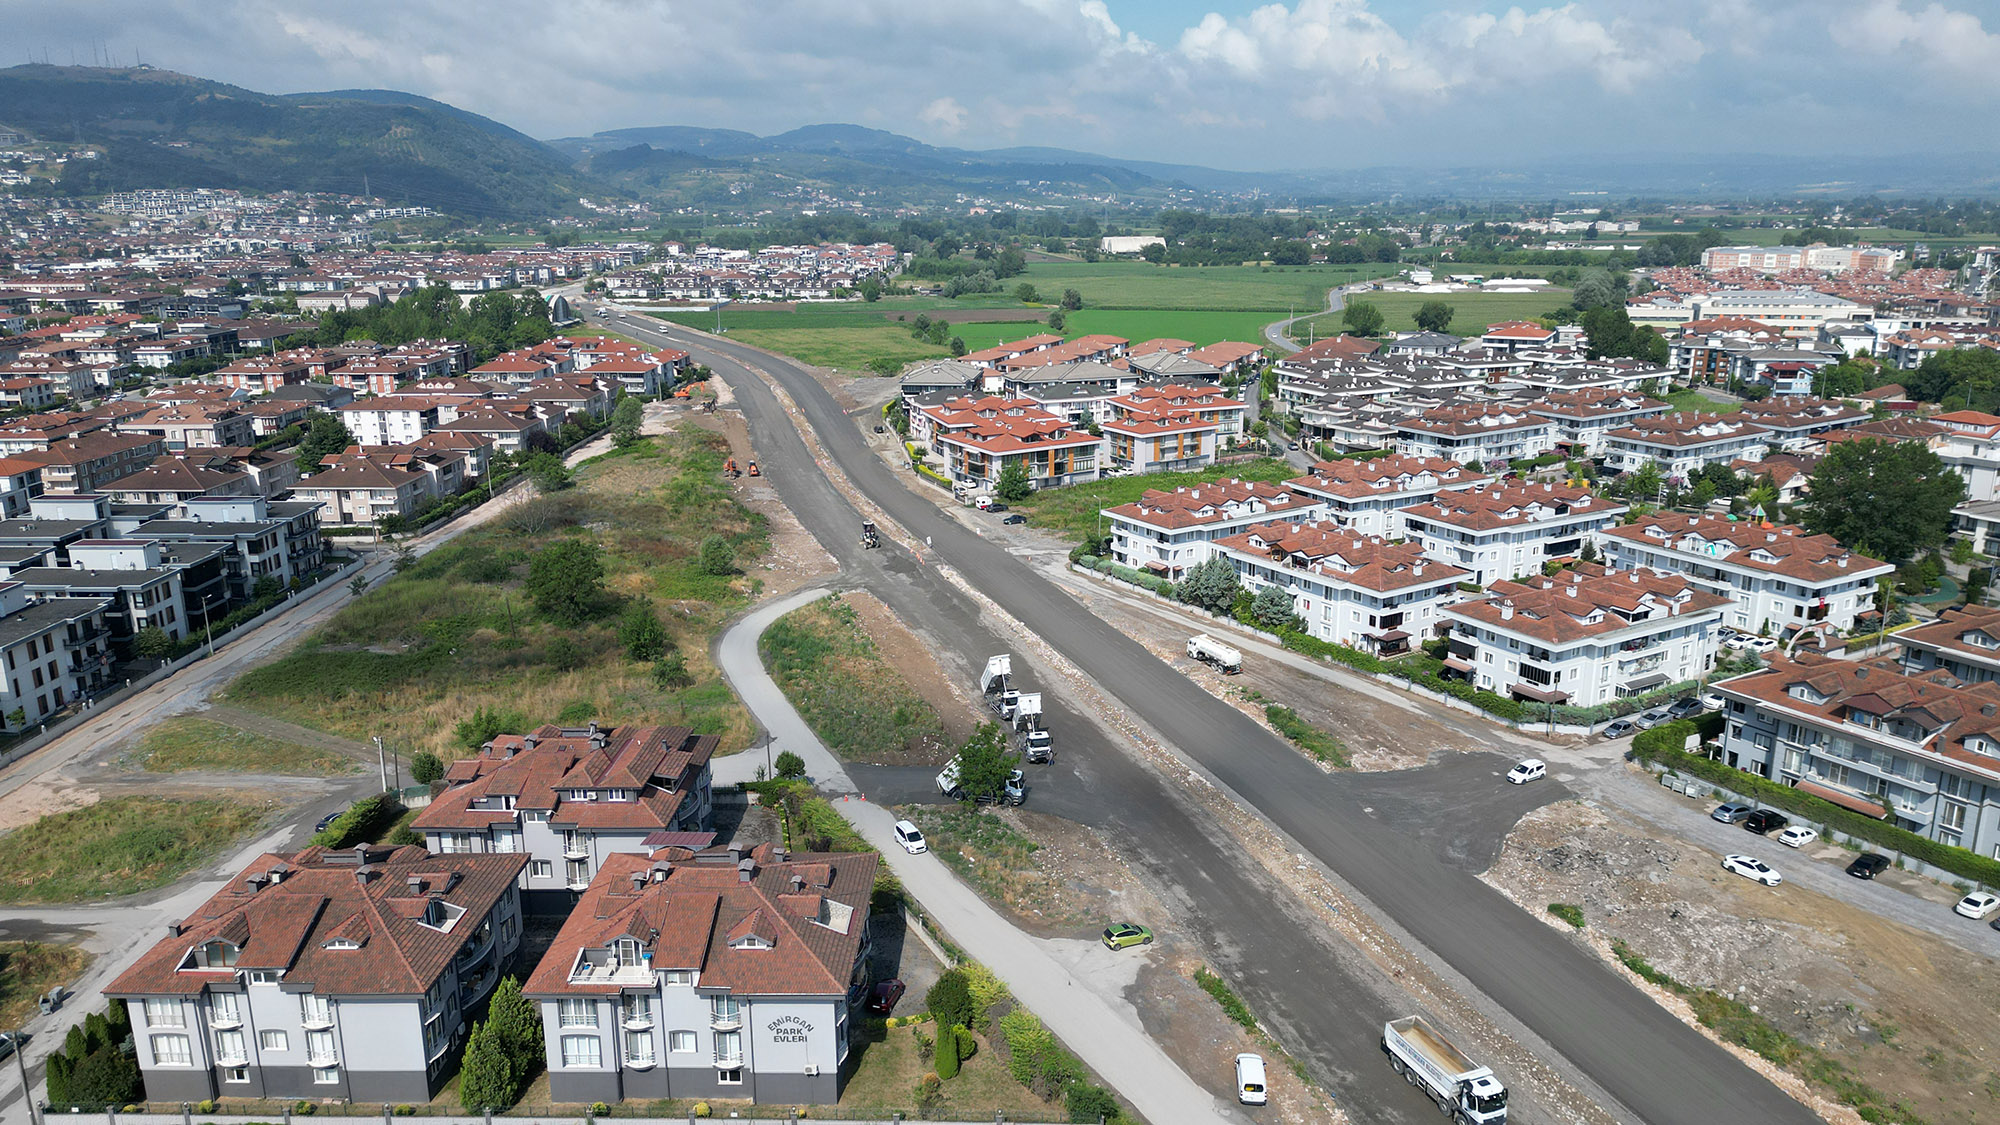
[
  {"x": 1731, "y": 814},
  {"x": 1250, "y": 1080},
  {"x": 1529, "y": 769},
  {"x": 6, "y": 1043},
  {"x": 1867, "y": 865},
  {"x": 1978, "y": 904},
  {"x": 881, "y": 429},
  {"x": 1713, "y": 701},
  {"x": 911, "y": 838},
  {"x": 1798, "y": 836},
  {"x": 1015, "y": 518},
  {"x": 321, "y": 824},
  {"x": 1618, "y": 728},
  {"x": 996, "y": 506},
  {"x": 1652, "y": 718},
  {"x": 1683, "y": 707},
  {"x": 1739, "y": 642},
  {"x": 1122, "y": 935},
  {"x": 1752, "y": 868},
  {"x": 882, "y": 999},
  {"x": 1764, "y": 821}
]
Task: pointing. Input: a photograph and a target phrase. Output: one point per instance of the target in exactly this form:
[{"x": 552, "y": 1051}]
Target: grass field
[
  {"x": 858, "y": 704},
  {"x": 1690, "y": 399},
  {"x": 457, "y": 631},
  {"x": 118, "y": 847},
  {"x": 29, "y": 969},
  {"x": 186, "y": 742},
  {"x": 1471, "y": 312},
  {"x": 1143, "y": 285},
  {"x": 886, "y": 1077},
  {"x": 1072, "y": 512}
]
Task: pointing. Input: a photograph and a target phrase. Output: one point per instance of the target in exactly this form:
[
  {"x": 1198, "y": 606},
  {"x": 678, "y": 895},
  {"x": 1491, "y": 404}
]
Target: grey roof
[
  {"x": 89, "y": 578},
  {"x": 51, "y": 530},
  {"x": 1425, "y": 340},
  {"x": 44, "y": 615},
  {"x": 1075, "y": 371},
  {"x": 941, "y": 373},
  {"x": 1049, "y": 392},
  {"x": 207, "y": 529}
]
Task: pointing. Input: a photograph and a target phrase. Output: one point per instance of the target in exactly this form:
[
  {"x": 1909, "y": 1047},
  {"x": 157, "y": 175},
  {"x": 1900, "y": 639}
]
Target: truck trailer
[
  {"x": 1208, "y": 650},
  {"x": 1467, "y": 1092}
]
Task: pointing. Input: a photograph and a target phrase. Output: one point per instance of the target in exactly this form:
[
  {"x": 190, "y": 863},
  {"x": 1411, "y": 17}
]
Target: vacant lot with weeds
[
  {"x": 462, "y": 629},
  {"x": 29, "y": 969},
  {"x": 830, "y": 668},
  {"x": 187, "y": 742},
  {"x": 118, "y": 847}
]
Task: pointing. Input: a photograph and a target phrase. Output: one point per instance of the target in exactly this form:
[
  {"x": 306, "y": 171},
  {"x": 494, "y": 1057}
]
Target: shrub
[
  {"x": 425, "y": 767},
  {"x": 641, "y": 632},
  {"x": 926, "y": 1046},
  {"x": 790, "y": 765},
  {"x": 987, "y": 989},
  {"x": 701, "y": 1110},
  {"x": 205, "y": 1105},
  {"x": 950, "y": 1001},
  {"x": 599, "y": 1109},
  {"x": 947, "y": 1054},
  {"x": 1087, "y": 1103},
  {"x": 1232, "y": 1004},
  {"x": 1307, "y": 737},
  {"x": 304, "y": 1108},
  {"x": 1568, "y": 912},
  {"x": 407, "y": 1110},
  {"x": 363, "y": 821}
]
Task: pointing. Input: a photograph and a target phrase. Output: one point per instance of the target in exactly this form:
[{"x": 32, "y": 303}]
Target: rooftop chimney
[
  {"x": 173, "y": 929},
  {"x": 798, "y": 883},
  {"x": 638, "y": 880},
  {"x": 531, "y": 741},
  {"x": 1507, "y": 610},
  {"x": 415, "y": 883},
  {"x": 779, "y": 854},
  {"x": 745, "y": 869}
]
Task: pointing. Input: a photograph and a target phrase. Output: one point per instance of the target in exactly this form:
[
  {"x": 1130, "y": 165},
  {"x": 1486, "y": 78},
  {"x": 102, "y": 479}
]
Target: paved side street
[{"x": 1073, "y": 986}]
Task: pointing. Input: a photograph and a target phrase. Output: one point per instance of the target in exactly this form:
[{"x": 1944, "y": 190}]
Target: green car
[{"x": 1119, "y": 935}]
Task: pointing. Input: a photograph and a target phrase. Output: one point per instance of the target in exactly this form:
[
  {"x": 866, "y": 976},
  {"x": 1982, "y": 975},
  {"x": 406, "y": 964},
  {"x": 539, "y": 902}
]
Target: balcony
[
  {"x": 316, "y": 1019},
  {"x": 585, "y": 972},
  {"x": 224, "y": 1021},
  {"x": 576, "y": 848},
  {"x": 730, "y": 1060},
  {"x": 232, "y": 1058},
  {"x": 322, "y": 1058},
  {"x": 726, "y": 1019},
  {"x": 635, "y": 1019}
]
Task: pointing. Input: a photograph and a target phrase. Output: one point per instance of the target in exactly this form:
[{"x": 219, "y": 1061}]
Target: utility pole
[
  {"x": 382, "y": 760},
  {"x": 21, "y": 1061}
]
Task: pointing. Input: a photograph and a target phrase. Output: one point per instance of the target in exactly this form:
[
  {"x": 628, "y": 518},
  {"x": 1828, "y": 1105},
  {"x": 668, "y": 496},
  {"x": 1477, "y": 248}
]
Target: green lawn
[
  {"x": 118, "y": 847},
  {"x": 1071, "y": 512},
  {"x": 1471, "y": 312},
  {"x": 186, "y": 742},
  {"x": 1143, "y": 285},
  {"x": 885, "y": 1077},
  {"x": 1690, "y": 399}
]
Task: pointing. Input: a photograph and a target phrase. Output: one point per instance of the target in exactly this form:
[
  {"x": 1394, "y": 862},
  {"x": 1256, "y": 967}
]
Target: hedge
[
  {"x": 361, "y": 822},
  {"x": 1661, "y": 746}
]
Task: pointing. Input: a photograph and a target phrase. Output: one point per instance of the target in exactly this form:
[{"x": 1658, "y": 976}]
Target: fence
[
  {"x": 52, "y": 731},
  {"x": 156, "y": 1113}
]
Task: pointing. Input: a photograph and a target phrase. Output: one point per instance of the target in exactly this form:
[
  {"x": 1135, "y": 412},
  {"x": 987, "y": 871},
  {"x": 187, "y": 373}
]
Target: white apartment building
[
  {"x": 1504, "y": 532},
  {"x": 1488, "y": 434},
  {"x": 1585, "y": 636},
  {"x": 1169, "y": 532},
  {"x": 1683, "y": 444},
  {"x": 1798, "y": 423},
  {"x": 1368, "y": 497},
  {"x": 1781, "y": 578},
  {"x": 1798, "y": 313},
  {"x": 1582, "y": 418},
  {"x": 1971, "y": 449},
  {"x": 1356, "y": 590}
]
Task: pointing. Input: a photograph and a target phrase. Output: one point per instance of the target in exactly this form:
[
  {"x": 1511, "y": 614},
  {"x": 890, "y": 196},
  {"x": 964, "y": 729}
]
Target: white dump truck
[
  {"x": 1030, "y": 739},
  {"x": 1208, "y": 650},
  {"x": 996, "y": 683},
  {"x": 1469, "y": 1093},
  {"x": 1013, "y": 791}
]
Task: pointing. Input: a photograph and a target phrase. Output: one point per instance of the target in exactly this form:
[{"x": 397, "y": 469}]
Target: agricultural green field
[
  {"x": 1471, "y": 312},
  {"x": 1143, "y": 285}
]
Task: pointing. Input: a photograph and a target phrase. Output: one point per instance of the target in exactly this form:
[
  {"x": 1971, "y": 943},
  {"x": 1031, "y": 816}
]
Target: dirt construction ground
[{"x": 1909, "y": 1014}]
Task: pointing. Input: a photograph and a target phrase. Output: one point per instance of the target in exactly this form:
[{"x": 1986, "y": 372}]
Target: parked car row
[{"x": 1867, "y": 865}]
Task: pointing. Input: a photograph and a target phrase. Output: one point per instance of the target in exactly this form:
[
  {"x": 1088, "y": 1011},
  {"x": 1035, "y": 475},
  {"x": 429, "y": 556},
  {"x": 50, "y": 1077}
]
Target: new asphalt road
[{"x": 1649, "y": 1065}]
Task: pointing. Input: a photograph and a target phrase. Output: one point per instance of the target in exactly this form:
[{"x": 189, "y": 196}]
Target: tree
[
  {"x": 641, "y": 632},
  {"x": 566, "y": 580},
  {"x": 486, "y": 1076},
  {"x": 1291, "y": 252},
  {"x": 950, "y": 1000},
  {"x": 1434, "y": 316},
  {"x": 1362, "y": 319},
  {"x": 325, "y": 436},
  {"x": 267, "y": 588},
  {"x": 1014, "y": 484},
  {"x": 547, "y": 472},
  {"x": 670, "y": 673},
  {"x": 152, "y": 643},
  {"x": 625, "y": 419},
  {"x": 1272, "y": 607},
  {"x": 957, "y": 346},
  {"x": 1058, "y": 320},
  {"x": 517, "y": 1022},
  {"x": 716, "y": 557},
  {"x": 1025, "y": 293},
  {"x": 1891, "y": 499},
  {"x": 984, "y": 762},
  {"x": 357, "y": 585},
  {"x": 1072, "y": 300},
  {"x": 885, "y": 366},
  {"x": 789, "y": 766},
  {"x": 1087, "y": 1103},
  {"x": 1593, "y": 290},
  {"x": 486, "y": 724},
  {"x": 106, "y": 1077},
  {"x": 1210, "y": 585},
  {"x": 426, "y": 767},
  {"x": 1966, "y": 378},
  {"x": 1643, "y": 483}
]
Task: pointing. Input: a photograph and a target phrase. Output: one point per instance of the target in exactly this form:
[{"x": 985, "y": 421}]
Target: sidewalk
[{"x": 1038, "y": 972}]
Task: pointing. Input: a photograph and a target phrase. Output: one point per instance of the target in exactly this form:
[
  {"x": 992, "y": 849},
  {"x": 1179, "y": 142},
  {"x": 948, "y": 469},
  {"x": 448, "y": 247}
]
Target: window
[
  {"x": 680, "y": 976},
  {"x": 315, "y": 1009},
  {"x": 730, "y": 1077},
  {"x": 264, "y": 976},
  {"x": 578, "y": 1013},
  {"x": 542, "y": 869},
  {"x": 273, "y": 1041},
  {"x": 581, "y": 1050},
  {"x": 172, "y": 1050},
  {"x": 222, "y": 1008},
  {"x": 230, "y": 1048},
  {"x": 681, "y": 1042},
  {"x": 319, "y": 1048},
  {"x": 1952, "y": 817},
  {"x": 164, "y": 1013},
  {"x": 326, "y": 1075},
  {"x": 236, "y": 1074},
  {"x": 639, "y": 1048}
]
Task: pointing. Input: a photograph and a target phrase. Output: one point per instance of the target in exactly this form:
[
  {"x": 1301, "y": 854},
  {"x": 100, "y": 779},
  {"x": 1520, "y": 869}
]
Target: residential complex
[
  {"x": 1368, "y": 497},
  {"x": 1170, "y": 532},
  {"x": 1356, "y": 590},
  {"x": 1508, "y": 531}
]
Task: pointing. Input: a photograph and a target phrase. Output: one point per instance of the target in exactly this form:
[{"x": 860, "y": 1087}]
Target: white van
[
  {"x": 910, "y": 837},
  {"x": 1250, "y": 1080}
]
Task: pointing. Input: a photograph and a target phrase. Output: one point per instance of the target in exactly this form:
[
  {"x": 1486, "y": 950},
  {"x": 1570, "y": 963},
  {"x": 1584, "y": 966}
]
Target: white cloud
[
  {"x": 1552, "y": 43},
  {"x": 1937, "y": 41},
  {"x": 944, "y": 115}
]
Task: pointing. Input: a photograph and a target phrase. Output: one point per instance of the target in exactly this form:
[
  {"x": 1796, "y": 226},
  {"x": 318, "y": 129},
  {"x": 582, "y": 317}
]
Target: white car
[
  {"x": 1978, "y": 904},
  {"x": 1762, "y": 644},
  {"x": 911, "y": 837},
  {"x": 1713, "y": 701},
  {"x": 1739, "y": 642},
  {"x": 1751, "y": 868},
  {"x": 1798, "y": 836},
  {"x": 1530, "y": 769}
]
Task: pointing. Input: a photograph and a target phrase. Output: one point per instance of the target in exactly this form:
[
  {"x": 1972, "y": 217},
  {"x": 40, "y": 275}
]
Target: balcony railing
[
  {"x": 733, "y": 1059},
  {"x": 726, "y": 1019},
  {"x": 576, "y": 849},
  {"x": 224, "y": 1021},
  {"x": 636, "y": 1019},
  {"x": 587, "y": 973},
  {"x": 232, "y": 1058},
  {"x": 322, "y": 1058},
  {"x": 317, "y": 1019}
]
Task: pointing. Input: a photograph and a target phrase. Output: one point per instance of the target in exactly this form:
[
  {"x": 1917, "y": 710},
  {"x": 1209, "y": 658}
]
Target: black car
[
  {"x": 329, "y": 818},
  {"x": 996, "y": 507},
  {"x": 1015, "y": 518},
  {"x": 1765, "y": 820},
  {"x": 1868, "y": 865},
  {"x": 1684, "y": 706}
]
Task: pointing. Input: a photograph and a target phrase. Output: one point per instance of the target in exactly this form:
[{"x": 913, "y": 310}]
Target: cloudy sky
[{"x": 1311, "y": 83}]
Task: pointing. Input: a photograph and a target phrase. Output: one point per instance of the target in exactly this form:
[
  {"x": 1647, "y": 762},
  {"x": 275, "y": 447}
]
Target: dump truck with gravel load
[{"x": 1467, "y": 1092}]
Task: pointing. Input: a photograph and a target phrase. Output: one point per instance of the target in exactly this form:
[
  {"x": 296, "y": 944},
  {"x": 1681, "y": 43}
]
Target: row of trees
[
  {"x": 503, "y": 1054},
  {"x": 489, "y": 324}
]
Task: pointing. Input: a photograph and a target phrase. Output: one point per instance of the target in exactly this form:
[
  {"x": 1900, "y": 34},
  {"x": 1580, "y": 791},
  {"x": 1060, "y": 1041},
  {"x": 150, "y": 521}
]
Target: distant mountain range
[{"x": 162, "y": 129}]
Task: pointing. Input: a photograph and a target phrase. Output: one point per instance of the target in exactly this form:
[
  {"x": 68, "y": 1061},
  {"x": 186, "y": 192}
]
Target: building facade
[
  {"x": 1169, "y": 532},
  {"x": 1361, "y": 591},
  {"x": 1780, "y": 578},
  {"x": 1505, "y": 532}
]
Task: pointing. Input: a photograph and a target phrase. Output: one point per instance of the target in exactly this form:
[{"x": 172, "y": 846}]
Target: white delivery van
[{"x": 1250, "y": 1080}]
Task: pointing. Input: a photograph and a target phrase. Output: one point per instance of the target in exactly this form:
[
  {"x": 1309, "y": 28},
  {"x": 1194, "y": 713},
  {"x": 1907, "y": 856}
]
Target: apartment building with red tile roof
[
  {"x": 1169, "y": 532},
  {"x": 1481, "y": 432},
  {"x": 1362, "y": 591},
  {"x": 1801, "y": 422},
  {"x": 1586, "y": 636},
  {"x": 1583, "y": 417},
  {"x": 1782, "y": 577},
  {"x": 710, "y": 973},
  {"x": 1368, "y": 497},
  {"x": 1503, "y": 531},
  {"x": 979, "y": 438},
  {"x": 324, "y": 974},
  {"x": 1683, "y": 443}
]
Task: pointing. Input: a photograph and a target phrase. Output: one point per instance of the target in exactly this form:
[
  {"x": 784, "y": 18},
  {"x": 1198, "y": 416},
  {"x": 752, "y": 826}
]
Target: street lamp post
[
  {"x": 21, "y": 1061},
  {"x": 769, "y": 769},
  {"x": 207, "y": 633}
]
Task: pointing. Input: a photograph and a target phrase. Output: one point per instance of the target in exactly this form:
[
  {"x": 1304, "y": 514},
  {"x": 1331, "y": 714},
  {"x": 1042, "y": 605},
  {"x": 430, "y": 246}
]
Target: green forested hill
[{"x": 162, "y": 129}]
